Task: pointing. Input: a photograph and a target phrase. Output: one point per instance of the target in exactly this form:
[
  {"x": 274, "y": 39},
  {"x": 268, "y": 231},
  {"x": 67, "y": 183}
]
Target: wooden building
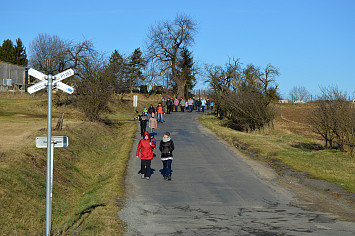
[{"x": 13, "y": 77}]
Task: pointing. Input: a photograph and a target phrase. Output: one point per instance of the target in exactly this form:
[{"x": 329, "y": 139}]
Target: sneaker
[
  {"x": 142, "y": 176},
  {"x": 147, "y": 178},
  {"x": 169, "y": 177},
  {"x": 165, "y": 177}
]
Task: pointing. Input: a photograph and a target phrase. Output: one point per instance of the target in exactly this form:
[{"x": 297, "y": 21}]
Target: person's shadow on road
[
  {"x": 151, "y": 171},
  {"x": 161, "y": 172}
]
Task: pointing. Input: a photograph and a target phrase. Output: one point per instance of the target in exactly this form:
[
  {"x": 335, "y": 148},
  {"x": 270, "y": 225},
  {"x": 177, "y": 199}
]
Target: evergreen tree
[
  {"x": 117, "y": 69},
  {"x": 7, "y": 51},
  {"x": 13, "y": 54},
  {"x": 20, "y": 54},
  {"x": 135, "y": 68},
  {"x": 187, "y": 71}
]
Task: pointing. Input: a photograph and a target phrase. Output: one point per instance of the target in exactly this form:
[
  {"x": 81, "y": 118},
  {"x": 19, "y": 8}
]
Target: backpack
[{"x": 152, "y": 139}]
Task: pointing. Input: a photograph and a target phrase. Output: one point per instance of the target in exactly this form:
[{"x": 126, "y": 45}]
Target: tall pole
[{"x": 49, "y": 157}]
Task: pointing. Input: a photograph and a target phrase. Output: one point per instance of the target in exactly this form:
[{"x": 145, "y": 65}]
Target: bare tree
[
  {"x": 334, "y": 119},
  {"x": 166, "y": 40},
  {"x": 94, "y": 86},
  {"x": 49, "y": 54},
  {"x": 239, "y": 95},
  {"x": 299, "y": 93},
  {"x": 268, "y": 81}
]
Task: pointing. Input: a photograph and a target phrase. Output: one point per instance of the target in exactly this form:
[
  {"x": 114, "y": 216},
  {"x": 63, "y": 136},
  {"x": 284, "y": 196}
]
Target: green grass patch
[
  {"x": 88, "y": 177},
  {"x": 302, "y": 154}
]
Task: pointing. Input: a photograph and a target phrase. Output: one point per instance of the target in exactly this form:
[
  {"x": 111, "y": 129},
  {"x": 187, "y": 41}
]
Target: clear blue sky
[{"x": 312, "y": 42}]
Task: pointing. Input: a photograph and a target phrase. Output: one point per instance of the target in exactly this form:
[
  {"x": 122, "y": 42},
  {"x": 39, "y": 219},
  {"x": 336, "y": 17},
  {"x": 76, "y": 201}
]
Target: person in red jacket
[{"x": 145, "y": 147}]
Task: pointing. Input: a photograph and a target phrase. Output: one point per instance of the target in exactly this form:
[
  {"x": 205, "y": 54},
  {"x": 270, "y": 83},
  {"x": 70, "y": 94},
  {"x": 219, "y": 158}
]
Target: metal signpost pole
[
  {"x": 50, "y": 81},
  {"x": 52, "y": 158},
  {"x": 49, "y": 161}
]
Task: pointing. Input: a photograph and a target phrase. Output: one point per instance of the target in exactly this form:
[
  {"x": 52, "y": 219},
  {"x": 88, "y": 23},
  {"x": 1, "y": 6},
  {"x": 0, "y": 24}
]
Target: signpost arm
[{"x": 49, "y": 161}]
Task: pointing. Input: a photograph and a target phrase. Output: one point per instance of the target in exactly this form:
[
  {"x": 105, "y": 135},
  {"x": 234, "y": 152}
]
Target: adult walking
[
  {"x": 145, "y": 148},
  {"x": 169, "y": 104},
  {"x": 203, "y": 104},
  {"x": 166, "y": 147},
  {"x": 198, "y": 105},
  {"x": 143, "y": 119},
  {"x": 151, "y": 110},
  {"x": 182, "y": 104},
  {"x": 153, "y": 124},
  {"x": 190, "y": 103},
  {"x": 160, "y": 111},
  {"x": 176, "y": 104}
]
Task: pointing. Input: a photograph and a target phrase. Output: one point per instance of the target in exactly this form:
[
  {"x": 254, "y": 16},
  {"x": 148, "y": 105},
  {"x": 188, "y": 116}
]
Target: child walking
[
  {"x": 153, "y": 124},
  {"x": 166, "y": 147},
  {"x": 145, "y": 147}
]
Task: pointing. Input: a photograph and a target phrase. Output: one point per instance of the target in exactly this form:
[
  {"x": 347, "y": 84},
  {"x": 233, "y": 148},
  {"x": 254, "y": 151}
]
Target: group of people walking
[
  {"x": 154, "y": 115},
  {"x": 145, "y": 149},
  {"x": 173, "y": 104}
]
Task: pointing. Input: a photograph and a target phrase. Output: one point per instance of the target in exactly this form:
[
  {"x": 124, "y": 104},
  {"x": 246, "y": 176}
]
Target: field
[
  {"x": 291, "y": 142},
  {"x": 88, "y": 175}
]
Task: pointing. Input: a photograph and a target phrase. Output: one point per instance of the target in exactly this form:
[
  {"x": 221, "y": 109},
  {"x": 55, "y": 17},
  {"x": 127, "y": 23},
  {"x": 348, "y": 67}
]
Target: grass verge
[
  {"x": 302, "y": 154},
  {"x": 88, "y": 182},
  {"x": 88, "y": 175}
]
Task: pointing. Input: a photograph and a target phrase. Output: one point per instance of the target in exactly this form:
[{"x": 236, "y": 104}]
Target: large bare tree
[
  {"x": 48, "y": 53},
  {"x": 166, "y": 40},
  {"x": 93, "y": 84}
]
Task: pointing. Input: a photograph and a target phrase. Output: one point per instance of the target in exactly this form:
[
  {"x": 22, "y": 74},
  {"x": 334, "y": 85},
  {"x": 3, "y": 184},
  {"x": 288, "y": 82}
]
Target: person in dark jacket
[
  {"x": 166, "y": 148},
  {"x": 145, "y": 147},
  {"x": 151, "y": 110},
  {"x": 168, "y": 106},
  {"x": 143, "y": 122}
]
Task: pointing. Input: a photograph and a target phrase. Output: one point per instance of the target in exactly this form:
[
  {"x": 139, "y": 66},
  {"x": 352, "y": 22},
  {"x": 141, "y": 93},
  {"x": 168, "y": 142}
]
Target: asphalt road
[{"x": 214, "y": 191}]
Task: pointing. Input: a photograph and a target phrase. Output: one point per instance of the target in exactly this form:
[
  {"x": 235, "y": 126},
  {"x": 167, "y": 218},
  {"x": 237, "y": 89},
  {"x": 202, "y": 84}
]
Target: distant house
[
  {"x": 283, "y": 101},
  {"x": 13, "y": 77},
  {"x": 299, "y": 102}
]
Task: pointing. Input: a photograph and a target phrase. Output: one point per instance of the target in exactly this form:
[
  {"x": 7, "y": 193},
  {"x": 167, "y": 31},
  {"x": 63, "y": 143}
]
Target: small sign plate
[
  {"x": 59, "y": 141},
  {"x": 65, "y": 74},
  {"x": 66, "y": 88},
  {"x": 37, "y": 74},
  {"x": 37, "y": 87}
]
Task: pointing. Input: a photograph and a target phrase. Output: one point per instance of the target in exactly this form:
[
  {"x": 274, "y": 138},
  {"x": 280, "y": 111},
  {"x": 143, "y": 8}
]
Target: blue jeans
[
  {"x": 160, "y": 117},
  {"x": 190, "y": 108},
  {"x": 167, "y": 167}
]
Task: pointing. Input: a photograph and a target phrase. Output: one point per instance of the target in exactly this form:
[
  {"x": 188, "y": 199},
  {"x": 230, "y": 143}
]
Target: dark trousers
[
  {"x": 182, "y": 108},
  {"x": 203, "y": 108},
  {"x": 176, "y": 108},
  {"x": 145, "y": 167},
  {"x": 143, "y": 127},
  {"x": 167, "y": 167}
]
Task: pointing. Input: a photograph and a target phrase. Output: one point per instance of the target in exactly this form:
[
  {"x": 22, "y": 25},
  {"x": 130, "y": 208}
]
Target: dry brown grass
[
  {"x": 291, "y": 141},
  {"x": 294, "y": 119},
  {"x": 88, "y": 176}
]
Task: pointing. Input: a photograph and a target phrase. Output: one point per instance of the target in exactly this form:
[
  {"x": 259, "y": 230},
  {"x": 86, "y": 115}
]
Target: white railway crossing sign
[
  {"x": 50, "y": 142},
  {"x": 56, "y": 81}
]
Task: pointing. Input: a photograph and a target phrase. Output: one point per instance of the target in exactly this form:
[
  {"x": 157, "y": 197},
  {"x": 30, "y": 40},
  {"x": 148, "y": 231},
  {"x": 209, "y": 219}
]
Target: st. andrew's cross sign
[
  {"x": 56, "y": 81},
  {"x": 50, "y": 82}
]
